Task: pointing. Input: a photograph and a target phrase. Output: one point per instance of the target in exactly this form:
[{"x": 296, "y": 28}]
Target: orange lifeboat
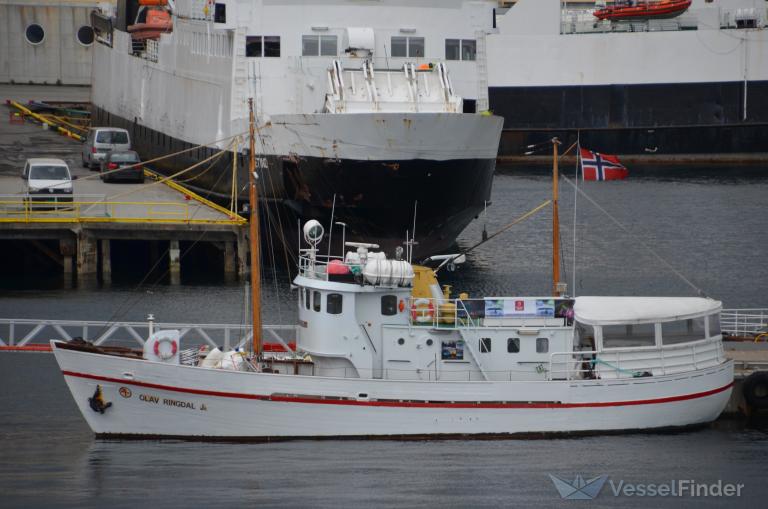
[
  {"x": 642, "y": 9},
  {"x": 157, "y": 22}
]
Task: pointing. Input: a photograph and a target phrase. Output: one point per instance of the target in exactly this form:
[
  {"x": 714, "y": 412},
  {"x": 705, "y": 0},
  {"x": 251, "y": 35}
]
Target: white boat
[
  {"x": 382, "y": 351},
  {"x": 360, "y": 109}
]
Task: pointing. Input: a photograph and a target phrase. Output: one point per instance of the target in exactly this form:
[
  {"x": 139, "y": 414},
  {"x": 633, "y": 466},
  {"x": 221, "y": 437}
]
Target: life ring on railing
[
  {"x": 165, "y": 355},
  {"x": 755, "y": 390},
  {"x": 422, "y": 311}
]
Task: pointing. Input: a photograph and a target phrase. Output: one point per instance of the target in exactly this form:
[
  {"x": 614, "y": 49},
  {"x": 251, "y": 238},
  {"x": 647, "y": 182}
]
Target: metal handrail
[{"x": 744, "y": 321}]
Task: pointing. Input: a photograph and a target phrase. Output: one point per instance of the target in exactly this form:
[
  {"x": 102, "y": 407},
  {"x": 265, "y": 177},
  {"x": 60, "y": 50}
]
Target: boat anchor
[{"x": 97, "y": 402}]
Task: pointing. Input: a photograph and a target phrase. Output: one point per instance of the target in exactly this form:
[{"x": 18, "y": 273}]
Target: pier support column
[
  {"x": 230, "y": 263},
  {"x": 242, "y": 253},
  {"x": 106, "y": 260},
  {"x": 67, "y": 250},
  {"x": 87, "y": 256},
  {"x": 174, "y": 260}
]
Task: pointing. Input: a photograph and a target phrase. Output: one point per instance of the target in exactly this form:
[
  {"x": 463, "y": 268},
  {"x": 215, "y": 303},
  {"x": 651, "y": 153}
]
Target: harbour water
[{"x": 709, "y": 226}]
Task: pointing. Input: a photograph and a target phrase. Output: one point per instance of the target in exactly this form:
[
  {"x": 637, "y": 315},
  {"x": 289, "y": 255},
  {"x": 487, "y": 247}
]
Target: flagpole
[
  {"x": 555, "y": 222},
  {"x": 575, "y": 199}
]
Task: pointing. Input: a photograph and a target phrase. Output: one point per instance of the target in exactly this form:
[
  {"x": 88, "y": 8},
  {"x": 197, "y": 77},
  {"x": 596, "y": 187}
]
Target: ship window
[
  {"x": 714, "y": 325},
  {"x": 389, "y": 305},
  {"x": 220, "y": 13},
  {"x": 316, "y": 301},
  {"x": 253, "y": 46},
  {"x": 682, "y": 331},
  {"x": 34, "y": 34},
  {"x": 618, "y": 336},
  {"x": 412, "y": 47},
  {"x": 513, "y": 345},
  {"x": 333, "y": 303},
  {"x": 85, "y": 35},
  {"x": 542, "y": 345},
  {"x": 319, "y": 45},
  {"x": 460, "y": 49},
  {"x": 485, "y": 345},
  {"x": 306, "y": 298},
  {"x": 272, "y": 46}
]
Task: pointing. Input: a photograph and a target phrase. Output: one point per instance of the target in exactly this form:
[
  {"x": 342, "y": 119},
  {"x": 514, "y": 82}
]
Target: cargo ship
[
  {"x": 695, "y": 86},
  {"x": 375, "y": 114}
]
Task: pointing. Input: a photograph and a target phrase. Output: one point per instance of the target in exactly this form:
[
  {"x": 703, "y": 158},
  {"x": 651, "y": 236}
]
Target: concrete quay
[{"x": 80, "y": 239}]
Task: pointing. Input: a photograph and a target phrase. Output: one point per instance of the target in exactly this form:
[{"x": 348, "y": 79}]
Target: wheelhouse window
[
  {"x": 319, "y": 45},
  {"x": 316, "y": 301},
  {"x": 513, "y": 345},
  {"x": 411, "y": 47},
  {"x": 485, "y": 345},
  {"x": 333, "y": 303},
  {"x": 389, "y": 305},
  {"x": 460, "y": 49},
  {"x": 714, "y": 325},
  {"x": 262, "y": 46},
  {"x": 542, "y": 345},
  {"x": 619, "y": 336},
  {"x": 682, "y": 331}
]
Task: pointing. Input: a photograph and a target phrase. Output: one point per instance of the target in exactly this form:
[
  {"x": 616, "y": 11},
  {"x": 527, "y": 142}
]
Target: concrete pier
[{"x": 79, "y": 240}]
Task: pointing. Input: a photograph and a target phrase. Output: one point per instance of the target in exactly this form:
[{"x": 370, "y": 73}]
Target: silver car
[{"x": 101, "y": 140}]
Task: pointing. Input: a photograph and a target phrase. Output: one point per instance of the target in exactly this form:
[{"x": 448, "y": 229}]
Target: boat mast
[
  {"x": 555, "y": 222},
  {"x": 254, "y": 233}
]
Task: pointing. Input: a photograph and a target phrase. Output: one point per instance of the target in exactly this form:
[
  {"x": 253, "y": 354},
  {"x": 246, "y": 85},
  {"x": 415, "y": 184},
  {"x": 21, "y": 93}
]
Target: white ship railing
[
  {"x": 24, "y": 332},
  {"x": 636, "y": 362},
  {"x": 744, "y": 322}
]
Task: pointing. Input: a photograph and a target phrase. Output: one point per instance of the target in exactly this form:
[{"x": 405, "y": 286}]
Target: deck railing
[
  {"x": 636, "y": 362},
  {"x": 747, "y": 322}
]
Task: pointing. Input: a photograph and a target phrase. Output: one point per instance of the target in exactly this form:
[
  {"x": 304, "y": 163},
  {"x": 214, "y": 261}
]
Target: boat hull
[
  {"x": 151, "y": 399},
  {"x": 370, "y": 171}
]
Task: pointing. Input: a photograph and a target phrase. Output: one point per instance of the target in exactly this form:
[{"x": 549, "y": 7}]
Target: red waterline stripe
[
  {"x": 26, "y": 348},
  {"x": 425, "y": 404}
]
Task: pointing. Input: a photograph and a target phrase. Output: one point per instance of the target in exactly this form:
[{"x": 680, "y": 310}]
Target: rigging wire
[{"x": 639, "y": 240}]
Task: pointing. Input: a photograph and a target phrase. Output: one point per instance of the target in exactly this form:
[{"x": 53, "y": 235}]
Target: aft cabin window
[
  {"x": 316, "y": 301},
  {"x": 542, "y": 345},
  {"x": 306, "y": 297},
  {"x": 333, "y": 303},
  {"x": 513, "y": 345},
  {"x": 682, "y": 331},
  {"x": 262, "y": 46},
  {"x": 460, "y": 49},
  {"x": 389, "y": 305},
  {"x": 485, "y": 345},
  {"x": 319, "y": 45},
  {"x": 411, "y": 47},
  {"x": 619, "y": 336},
  {"x": 714, "y": 325}
]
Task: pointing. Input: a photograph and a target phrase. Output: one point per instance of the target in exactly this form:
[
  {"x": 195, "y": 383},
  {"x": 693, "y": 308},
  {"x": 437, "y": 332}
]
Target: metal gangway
[{"x": 34, "y": 335}]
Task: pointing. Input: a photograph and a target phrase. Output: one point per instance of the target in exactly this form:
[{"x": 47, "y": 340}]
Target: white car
[
  {"x": 101, "y": 140},
  {"x": 47, "y": 180}
]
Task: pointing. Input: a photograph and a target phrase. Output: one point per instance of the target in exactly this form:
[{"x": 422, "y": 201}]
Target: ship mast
[
  {"x": 254, "y": 234},
  {"x": 555, "y": 222}
]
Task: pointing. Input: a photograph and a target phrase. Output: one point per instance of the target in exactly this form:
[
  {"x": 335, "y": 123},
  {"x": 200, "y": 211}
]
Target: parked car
[
  {"x": 122, "y": 165},
  {"x": 101, "y": 140},
  {"x": 47, "y": 180}
]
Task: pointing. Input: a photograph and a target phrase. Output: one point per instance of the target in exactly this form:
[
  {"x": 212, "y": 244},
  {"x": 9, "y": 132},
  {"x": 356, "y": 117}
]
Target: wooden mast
[
  {"x": 254, "y": 234},
  {"x": 555, "y": 222}
]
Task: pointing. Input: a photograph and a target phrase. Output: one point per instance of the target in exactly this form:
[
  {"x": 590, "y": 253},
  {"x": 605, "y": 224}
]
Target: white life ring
[
  {"x": 164, "y": 354},
  {"x": 422, "y": 310}
]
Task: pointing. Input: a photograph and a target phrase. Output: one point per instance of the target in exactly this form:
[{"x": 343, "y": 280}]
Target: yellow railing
[{"x": 51, "y": 210}]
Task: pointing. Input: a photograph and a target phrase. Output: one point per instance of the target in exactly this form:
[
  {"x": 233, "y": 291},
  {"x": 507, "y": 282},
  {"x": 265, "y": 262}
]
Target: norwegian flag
[{"x": 596, "y": 166}]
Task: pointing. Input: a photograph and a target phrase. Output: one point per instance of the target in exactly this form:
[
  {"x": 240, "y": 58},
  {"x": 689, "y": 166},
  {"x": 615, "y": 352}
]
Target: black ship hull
[
  {"x": 659, "y": 120},
  {"x": 374, "y": 198}
]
